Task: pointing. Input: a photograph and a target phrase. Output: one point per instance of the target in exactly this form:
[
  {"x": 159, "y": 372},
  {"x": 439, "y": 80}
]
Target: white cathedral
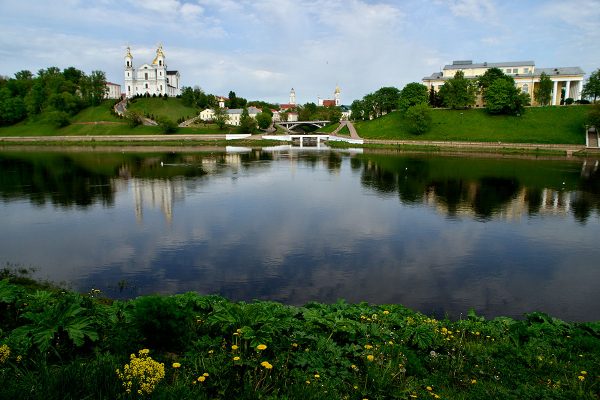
[{"x": 151, "y": 79}]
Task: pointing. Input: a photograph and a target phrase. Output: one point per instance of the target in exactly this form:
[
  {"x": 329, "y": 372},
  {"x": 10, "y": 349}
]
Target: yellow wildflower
[
  {"x": 234, "y": 347},
  {"x": 201, "y": 378},
  {"x": 205, "y": 374},
  {"x": 261, "y": 347},
  {"x": 386, "y": 312},
  {"x": 266, "y": 364},
  {"x": 176, "y": 365},
  {"x": 473, "y": 381},
  {"x": 583, "y": 372},
  {"x": 4, "y": 353},
  {"x": 581, "y": 378},
  {"x": 368, "y": 346},
  {"x": 317, "y": 376},
  {"x": 236, "y": 358},
  {"x": 429, "y": 388},
  {"x": 142, "y": 373},
  {"x": 294, "y": 344},
  {"x": 370, "y": 357},
  {"x": 308, "y": 382},
  {"x": 211, "y": 351},
  {"x": 355, "y": 387}
]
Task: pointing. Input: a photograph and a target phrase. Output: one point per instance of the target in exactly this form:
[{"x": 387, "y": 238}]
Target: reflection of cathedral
[{"x": 156, "y": 193}]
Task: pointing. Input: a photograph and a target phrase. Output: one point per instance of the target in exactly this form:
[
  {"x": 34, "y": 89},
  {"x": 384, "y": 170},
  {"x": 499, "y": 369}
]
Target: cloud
[{"x": 478, "y": 10}]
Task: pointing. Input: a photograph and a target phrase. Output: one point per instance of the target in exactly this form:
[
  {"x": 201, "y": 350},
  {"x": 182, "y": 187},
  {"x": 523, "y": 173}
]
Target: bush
[
  {"x": 418, "y": 118},
  {"x": 135, "y": 119},
  {"x": 569, "y": 101},
  {"x": 593, "y": 117},
  {"x": 166, "y": 125},
  {"x": 58, "y": 119}
]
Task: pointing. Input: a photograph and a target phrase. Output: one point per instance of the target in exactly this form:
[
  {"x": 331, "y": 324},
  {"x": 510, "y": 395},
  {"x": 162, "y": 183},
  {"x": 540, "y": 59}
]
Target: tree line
[{"x": 51, "y": 94}]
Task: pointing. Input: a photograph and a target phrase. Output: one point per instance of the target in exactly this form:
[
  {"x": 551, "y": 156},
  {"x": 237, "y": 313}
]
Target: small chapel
[{"x": 151, "y": 79}]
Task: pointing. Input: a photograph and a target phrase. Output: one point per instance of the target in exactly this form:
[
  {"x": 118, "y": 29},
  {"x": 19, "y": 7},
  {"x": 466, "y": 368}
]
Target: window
[
  {"x": 525, "y": 88},
  {"x": 146, "y": 86},
  {"x": 128, "y": 63},
  {"x": 129, "y": 88},
  {"x": 526, "y": 70},
  {"x": 160, "y": 63},
  {"x": 508, "y": 70},
  {"x": 161, "y": 88},
  {"x": 146, "y": 76},
  {"x": 128, "y": 74},
  {"x": 515, "y": 70},
  {"x": 160, "y": 73}
]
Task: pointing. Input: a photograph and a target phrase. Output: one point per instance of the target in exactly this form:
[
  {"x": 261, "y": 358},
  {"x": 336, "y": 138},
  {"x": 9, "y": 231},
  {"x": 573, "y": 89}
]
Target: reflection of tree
[
  {"x": 57, "y": 179},
  {"x": 493, "y": 193},
  {"x": 452, "y": 192},
  {"x": 334, "y": 161}
]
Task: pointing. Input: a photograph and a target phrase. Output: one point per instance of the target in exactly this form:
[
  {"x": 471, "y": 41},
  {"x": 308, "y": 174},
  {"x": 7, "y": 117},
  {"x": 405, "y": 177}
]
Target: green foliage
[
  {"x": 458, "y": 92},
  {"x": 134, "y": 118},
  {"x": 543, "y": 93},
  {"x": 591, "y": 89},
  {"x": 58, "y": 119},
  {"x": 220, "y": 117},
  {"x": 412, "y": 94},
  {"x": 264, "y": 120},
  {"x": 167, "y": 126},
  {"x": 247, "y": 123},
  {"x": 418, "y": 118},
  {"x": 502, "y": 97}
]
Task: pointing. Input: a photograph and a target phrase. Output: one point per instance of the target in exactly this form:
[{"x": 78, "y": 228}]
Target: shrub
[
  {"x": 58, "y": 119},
  {"x": 166, "y": 125},
  {"x": 135, "y": 119},
  {"x": 418, "y": 118}
]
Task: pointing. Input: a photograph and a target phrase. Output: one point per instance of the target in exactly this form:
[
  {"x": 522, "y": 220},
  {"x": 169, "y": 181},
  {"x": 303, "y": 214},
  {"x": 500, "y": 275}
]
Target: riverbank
[{"x": 60, "y": 344}]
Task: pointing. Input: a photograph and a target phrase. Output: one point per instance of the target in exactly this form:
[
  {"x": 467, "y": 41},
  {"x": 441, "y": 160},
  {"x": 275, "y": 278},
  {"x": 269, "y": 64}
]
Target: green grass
[
  {"x": 171, "y": 108},
  {"x": 560, "y": 125},
  {"x": 329, "y": 128},
  {"x": 101, "y": 112},
  {"x": 63, "y": 345}
]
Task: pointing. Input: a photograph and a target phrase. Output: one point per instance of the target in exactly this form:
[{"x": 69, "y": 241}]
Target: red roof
[
  {"x": 328, "y": 103},
  {"x": 287, "y": 106}
]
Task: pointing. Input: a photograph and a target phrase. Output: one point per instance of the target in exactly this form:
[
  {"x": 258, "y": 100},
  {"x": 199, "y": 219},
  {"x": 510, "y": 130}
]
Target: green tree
[
  {"x": 357, "y": 110},
  {"x": 591, "y": 89},
  {"x": 387, "y": 99},
  {"x": 264, "y": 120},
  {"x": 166, "y": 125},
  {"x": 543, "y": 93},
  {"x": 434, "y": 98},
  {"x": 247, "y": 123},
  {"x": 502, "y": 97},
  {"x": 412, "y": 94},
  {"x": 93, "y": 88},
  {"x": 12, "y": 109},
  {"x": 418, "y": 118},
  {"x": 220, "y": 117},
  {"x": 458, "y": 92},
  {"x": 489, "y": 77}
]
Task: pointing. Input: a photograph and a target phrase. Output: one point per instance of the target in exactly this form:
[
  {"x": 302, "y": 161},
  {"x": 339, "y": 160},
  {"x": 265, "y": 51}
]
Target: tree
[
  {"x": 247, "y": 123},
  {"x": 434, "y": 98},
  {"x": 502, "y": 97},
  {"x": 387, "y": 98},
  {"x": 593, "y": 117},
  {"x": 12, "y": 109},
  {"x": 412, "y": 94},
  {"x": 489, "y": 77},
  {"x": 357, "y": 110},
  {"x": 220, "y": 117},
  {"x": 543, "y": 93},
  {"x": 93, "y": 88},
  {"x": 264, "y": 120},
  {"x": 591, "y": 89},
  {"x": 418, "y": 118},
  {"x": 458, "y": 92}
]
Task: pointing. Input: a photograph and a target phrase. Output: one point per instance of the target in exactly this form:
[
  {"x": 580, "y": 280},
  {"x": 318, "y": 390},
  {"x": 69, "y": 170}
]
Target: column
[
  {"x": 567, "y": 90},
  {"x": 579, "y": 90},
  {"x": 554, "y": 90}
]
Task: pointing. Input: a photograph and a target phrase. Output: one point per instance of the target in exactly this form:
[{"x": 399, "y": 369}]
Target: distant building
[
  {"x": 113, "y": 91},
  {"x": 151, "y": 79},
  {"x": 234, "y": 115},
  {"x": 525, "y": 74},
  {"x": 291, "y": 104},
  {"x": 336, "y": 101}
]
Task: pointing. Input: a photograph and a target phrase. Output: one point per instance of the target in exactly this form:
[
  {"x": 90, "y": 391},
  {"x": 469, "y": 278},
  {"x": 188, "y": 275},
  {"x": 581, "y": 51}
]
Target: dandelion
[
  {"x": 473, "y": 381},
  {"x": 385, "y": 312},
  {"x": 317, "y": 376},
  {"x": 201, "y": 378},
  {"x": 211, "y": 351},
  {"x": 368, "y": 346},
  {"x": 355, "y": 387},
  {"x": 581, "y": 378},
  {"x": 477, "y": 333},
  {"x": 266, "y": 364},
  {"x": 234, "y": 347},
  {"x": 429, "y": 388},
  {"x": 176, "y": 365},
  {"x": 354, "y": 367},
  {"x": 294, "y": 344},
  {"x": 205, "y": 374},
  {"x": 583, "y": 372},
  {"x": 261, "y": 347},
  {"x": 370, "y": 357},
  {"x": 236, "y": 358},
  {"x": 308, "y": 382}
]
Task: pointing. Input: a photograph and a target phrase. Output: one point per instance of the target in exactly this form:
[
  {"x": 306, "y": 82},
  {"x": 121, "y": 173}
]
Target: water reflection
[{"x": 439, "y": 234}]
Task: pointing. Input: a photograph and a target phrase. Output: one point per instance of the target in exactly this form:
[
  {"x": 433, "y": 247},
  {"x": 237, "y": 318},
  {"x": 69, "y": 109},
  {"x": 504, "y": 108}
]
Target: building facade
[
  {"x": 151, "y": 79},
  {"x": 113, "y": 91},
  {"x": 336, "y": 101},
  {"x": 567, "y": 81}
]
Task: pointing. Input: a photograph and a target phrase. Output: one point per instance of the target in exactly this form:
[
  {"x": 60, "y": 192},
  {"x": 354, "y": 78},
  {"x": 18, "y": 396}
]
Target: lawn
[
  {"x": 171, "y": 108},
  {"x": 562, "y": 125},
  {"x": 101, "y": 112}
]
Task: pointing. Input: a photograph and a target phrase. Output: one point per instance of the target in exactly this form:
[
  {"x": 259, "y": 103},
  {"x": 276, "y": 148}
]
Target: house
[
  {"x": 113, "y": 91},
  {"x": 525, "y": 74}
]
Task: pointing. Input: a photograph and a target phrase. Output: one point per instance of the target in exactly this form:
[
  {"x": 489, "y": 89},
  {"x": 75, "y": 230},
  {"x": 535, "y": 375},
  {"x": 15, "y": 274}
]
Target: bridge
[{"x": 290, "y": 125}]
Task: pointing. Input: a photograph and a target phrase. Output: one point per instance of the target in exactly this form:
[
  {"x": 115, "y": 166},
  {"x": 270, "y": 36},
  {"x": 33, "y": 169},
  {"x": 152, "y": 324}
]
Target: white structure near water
[{"x": 151, "y": 79}]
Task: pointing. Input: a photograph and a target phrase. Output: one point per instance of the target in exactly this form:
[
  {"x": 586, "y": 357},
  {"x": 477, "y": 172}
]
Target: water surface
[{"x": 438, "y": 234}]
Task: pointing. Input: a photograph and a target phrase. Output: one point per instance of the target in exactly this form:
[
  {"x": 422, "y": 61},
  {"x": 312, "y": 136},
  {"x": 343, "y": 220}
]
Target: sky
[{"x": 260, "y": 49}]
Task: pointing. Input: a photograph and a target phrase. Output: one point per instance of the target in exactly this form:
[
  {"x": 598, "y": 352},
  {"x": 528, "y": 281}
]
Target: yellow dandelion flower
[
  {"x": 205, "y": 374},
  {"x": 477, "y": 333},
  {"x": 354, "y": 367},
  {"x": 473, "y": 381},
  {"x": 368, "y": 346},
  {"x": 355, "y": 387},
  {"x": 437, "y": 396},
  {"x": 308, "y": 382},
  {"x": 236, "y": 358},
  {"x": 317, "y": 376},
  {"x": 176, "y": 365},
  {"x": 234, "y": 347},
  {"x": 261, "y": 347},
  {"x": 294, "y": 344},
  {"x": 370, "y": 357},
  {"x": 266, "y": 364},
  {"x": 201, "y": 378},
  {"x": 211, "y": 351},
  {"x": 583, "y": 372},
  {"x": 386, "y": 312},
  {"x": 581, "y": 378},
  {"x": 429, "y": 388}
]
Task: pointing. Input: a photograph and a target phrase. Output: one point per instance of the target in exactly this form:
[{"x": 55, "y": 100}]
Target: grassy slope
[
  {"x": 536, "y": 125},
  {"x": 171, "y": 108},
  {"x": 97, "y": 113}
]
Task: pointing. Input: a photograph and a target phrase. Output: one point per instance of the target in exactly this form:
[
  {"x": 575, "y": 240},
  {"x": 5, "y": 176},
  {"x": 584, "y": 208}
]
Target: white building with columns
[
  {"x": 525, "y": 74},
  {"x": 151, "y": 79}
]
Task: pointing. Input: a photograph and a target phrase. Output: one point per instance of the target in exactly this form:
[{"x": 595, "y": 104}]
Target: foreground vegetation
[
  {"x": 58, "y": 344},
  {"x": 560, "y": 125}
]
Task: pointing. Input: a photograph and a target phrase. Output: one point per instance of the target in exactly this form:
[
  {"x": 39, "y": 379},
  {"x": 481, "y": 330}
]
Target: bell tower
[
  {"x": 293, "y": 97},
  {"x": 336, "y": 96},
  {"x": 161, "y": 71},
  {"x": 129, "y": 73}
]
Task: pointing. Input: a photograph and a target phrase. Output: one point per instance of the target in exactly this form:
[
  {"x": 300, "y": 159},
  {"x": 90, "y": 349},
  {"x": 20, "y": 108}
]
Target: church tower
[
  {"x": 129, "y": 78},
  {"x": 293, "y": 97},
  {"x": 336, "y": 96},
  {"x": 161, "y": 71}
]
